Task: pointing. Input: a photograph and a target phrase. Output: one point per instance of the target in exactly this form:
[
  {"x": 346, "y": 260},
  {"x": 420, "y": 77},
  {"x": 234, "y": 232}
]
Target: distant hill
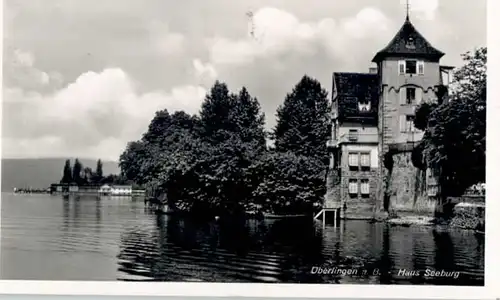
[{"x": 41, "y": 172}]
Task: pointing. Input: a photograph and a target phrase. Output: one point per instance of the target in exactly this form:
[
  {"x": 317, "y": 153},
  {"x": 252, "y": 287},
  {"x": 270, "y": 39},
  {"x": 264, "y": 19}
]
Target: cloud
[
  {"x": 164, "y": 40},
  {"x": 95, "y": 116},
  {"x": 20, "y": 70},
  {"x": 108, "y": 98},
  {"x": 284, "y": 48},
  {"x": 205, "y": 73},
  {"x": 277, "y": 32},
  {"x": 24, "y": 58}
]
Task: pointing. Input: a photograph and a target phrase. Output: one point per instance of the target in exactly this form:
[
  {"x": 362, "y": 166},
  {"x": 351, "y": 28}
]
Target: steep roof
[
  {"x": 409, "y": 42},
  {"x": 354, "y": 90}
]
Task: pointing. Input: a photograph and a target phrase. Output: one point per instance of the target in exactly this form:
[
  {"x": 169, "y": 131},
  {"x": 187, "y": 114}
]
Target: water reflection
[
  {"x": 286, "y": 250},
  {"x": 88, "y": 238}
]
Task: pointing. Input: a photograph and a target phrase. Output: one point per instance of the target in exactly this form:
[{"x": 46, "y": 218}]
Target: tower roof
[{"x": 409, "y": 42}]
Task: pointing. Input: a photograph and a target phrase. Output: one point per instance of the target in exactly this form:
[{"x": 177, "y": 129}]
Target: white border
[
  {"x": 492, "y": 260},
  {"x": 241, "y": 289}
]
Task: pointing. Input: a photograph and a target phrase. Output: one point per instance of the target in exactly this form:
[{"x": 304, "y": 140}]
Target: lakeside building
[
  {"x": 373, "y": 135},
  {"x": 121, "y": 190},
  {"x": 105, "y": 189},
  {"x": 93, "y": 189}
]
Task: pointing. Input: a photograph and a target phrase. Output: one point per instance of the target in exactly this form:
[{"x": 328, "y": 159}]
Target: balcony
[{"x": 353, "y": 138}]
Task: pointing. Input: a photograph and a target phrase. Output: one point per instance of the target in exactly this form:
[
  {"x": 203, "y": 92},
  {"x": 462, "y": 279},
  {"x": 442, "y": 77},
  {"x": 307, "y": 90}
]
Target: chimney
[{"x": 373, "y": 70}]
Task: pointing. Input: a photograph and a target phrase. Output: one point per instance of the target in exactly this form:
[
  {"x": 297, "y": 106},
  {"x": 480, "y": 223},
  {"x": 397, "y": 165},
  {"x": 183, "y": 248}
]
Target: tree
[
  {"x": 215, "y": 112},
  {"x": 132, "y": 159},
  {"x": 87, "y": 175},
  {"x": 201, "y": 162},
  {"x": 300, "y": 135},
  {"x": 290, "y": 183},
  {"x": 302, "y": 121},
  {"x": 454, "y": 143},
  {"x": 248, "y": 120},
  {"x": 156, "y": 128},
  {"x": 141, "y": 157},
  {"x": 67, "y": 177},
  {"x": 77, "y": 170},
  {"x": 98, "y": 170}
]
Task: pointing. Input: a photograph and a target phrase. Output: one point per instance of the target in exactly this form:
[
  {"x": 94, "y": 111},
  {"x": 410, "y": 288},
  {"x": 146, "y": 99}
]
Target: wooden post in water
[{"x": 324, "y": 218}]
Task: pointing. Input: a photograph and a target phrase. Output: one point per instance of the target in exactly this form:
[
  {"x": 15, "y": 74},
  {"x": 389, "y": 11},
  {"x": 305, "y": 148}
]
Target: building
[
  {"x": 373, "y": 133},
  {"x": 121, "y": 190},
  {"x": 105, "y": 189}
]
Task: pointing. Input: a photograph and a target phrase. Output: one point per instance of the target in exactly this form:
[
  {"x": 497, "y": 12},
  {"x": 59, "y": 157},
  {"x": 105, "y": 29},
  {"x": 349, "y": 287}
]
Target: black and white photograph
[{"x": 221, "y": 141}]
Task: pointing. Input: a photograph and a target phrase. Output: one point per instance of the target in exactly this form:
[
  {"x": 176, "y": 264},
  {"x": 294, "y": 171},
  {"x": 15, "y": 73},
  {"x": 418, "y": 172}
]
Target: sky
[{"x": 84, "y": 77}]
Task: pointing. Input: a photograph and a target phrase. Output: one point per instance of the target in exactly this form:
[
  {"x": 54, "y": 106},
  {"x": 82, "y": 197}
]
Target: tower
[
  {"x": 373, "y": 133},
  {"x": 409, "y": 74}
]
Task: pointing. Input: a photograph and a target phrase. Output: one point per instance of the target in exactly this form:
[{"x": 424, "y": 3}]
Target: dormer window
[
  {"x": 364, "y": 107},
  {"x": 410, "y": 43}
]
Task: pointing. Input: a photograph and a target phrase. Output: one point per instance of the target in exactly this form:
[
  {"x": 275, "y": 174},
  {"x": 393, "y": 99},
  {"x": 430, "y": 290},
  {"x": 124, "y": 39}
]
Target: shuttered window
[
  {"x": 353, "y": 160},
  {"x": 420, "y": 67},
  {"x": 402, "y": 96},
  {"x": 410, "y": 127},
  {"x": 418, "y": 95},
  {"x": 365, "y": 159},
  {"x": 365, "y": 187},
  {"x": 353, "y": 187},
  {"x": 410, "y": 95},
  {"x": 402, "y": 67}
]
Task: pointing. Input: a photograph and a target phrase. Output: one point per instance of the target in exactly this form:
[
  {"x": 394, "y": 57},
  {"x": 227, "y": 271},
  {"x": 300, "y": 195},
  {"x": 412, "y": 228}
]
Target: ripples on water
[{"x": 48, "y": 238}]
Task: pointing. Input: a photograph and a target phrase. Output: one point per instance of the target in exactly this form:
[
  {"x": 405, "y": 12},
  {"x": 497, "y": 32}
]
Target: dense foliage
[
  {"x": 219, "y": 161},
  {"x": 291, "y": 183},
  {"x": 302, "y": 120},
  {"x": 454, "y": 143},
  {"x": 295, "y": 175}
]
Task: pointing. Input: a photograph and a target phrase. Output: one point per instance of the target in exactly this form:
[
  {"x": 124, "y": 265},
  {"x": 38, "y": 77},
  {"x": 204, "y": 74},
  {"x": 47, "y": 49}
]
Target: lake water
[{"x": 47, "y": 237}]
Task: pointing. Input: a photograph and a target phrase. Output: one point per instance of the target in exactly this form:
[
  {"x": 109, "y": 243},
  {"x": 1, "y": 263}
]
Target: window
[
  {"x": 406, "y": 123},
  {"x": 353, "y": 134},
  {"x": 365, "y": 187},
  {"x": 410, "y": 43},
  {"x": 410, "y": 95},
  {"x": 359, "y": 159},
  {"x": 410, "y": 127},
  {"x": 365, "y": 160},
  {"x": 420, "y": 67},
  {"x": 402, "y": 67},
  {"x": 353, "y": 160},
  {"x": 353, "y": 187},
  {"x": 411, "y": 66}
]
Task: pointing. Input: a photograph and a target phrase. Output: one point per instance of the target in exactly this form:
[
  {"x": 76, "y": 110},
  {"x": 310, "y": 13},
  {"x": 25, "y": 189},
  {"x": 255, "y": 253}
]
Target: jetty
[{"x": 31, "y": 191}]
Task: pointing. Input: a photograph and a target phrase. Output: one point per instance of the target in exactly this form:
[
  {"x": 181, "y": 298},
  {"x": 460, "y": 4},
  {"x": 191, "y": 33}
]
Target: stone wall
[
  {"x": 407, "y": 187},
  {"x": 337, "y": 185},
  {"x": 332, "y": 197},
  {"x": 358, "y": 206}
]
